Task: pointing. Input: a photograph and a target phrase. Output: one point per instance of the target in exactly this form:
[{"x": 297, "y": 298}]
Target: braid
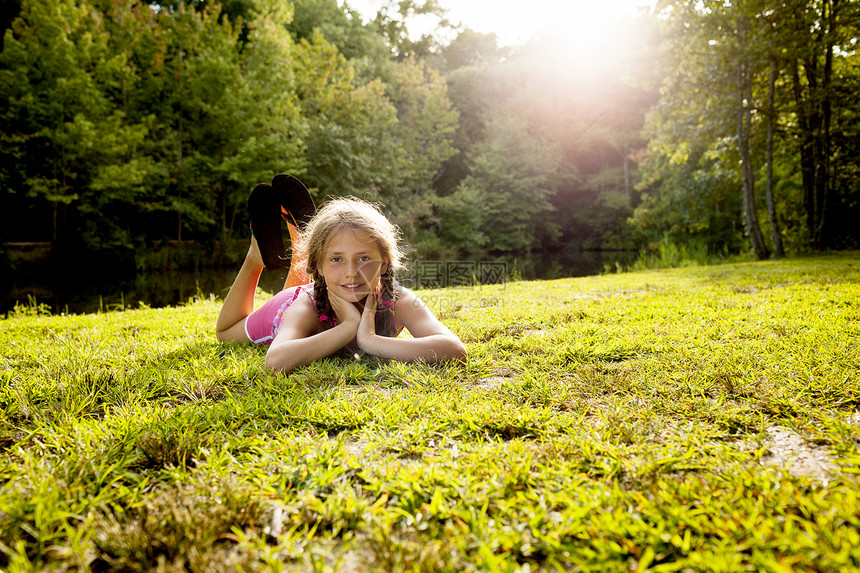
[
  {"x": 385, "y": 309},
  {"x": 321, "y": 299},
  {"x": 387, "y": 282}
]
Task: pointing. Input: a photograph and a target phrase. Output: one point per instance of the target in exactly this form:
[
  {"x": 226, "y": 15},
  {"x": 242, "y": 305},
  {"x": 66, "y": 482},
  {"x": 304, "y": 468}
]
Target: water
[
  {"x": 78, "y": 293},
  {"x": 74, "y": 295}
]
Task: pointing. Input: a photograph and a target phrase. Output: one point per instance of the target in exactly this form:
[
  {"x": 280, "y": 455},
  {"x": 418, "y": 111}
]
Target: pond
[{"x": 84, "y": 293}]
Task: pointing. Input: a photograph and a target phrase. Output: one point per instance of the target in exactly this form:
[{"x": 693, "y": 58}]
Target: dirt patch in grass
[
  {"x": 356, "y": 448},
  {"x": 497, "y": 377},
  {"x": 490, "y": 382},
  {"x": 536, "y": 332},
  {"x": 800, "y": 458}
]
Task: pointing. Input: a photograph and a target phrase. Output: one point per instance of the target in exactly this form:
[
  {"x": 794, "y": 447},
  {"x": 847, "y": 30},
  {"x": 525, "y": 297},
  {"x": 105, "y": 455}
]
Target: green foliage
[
  {"x": 342, "y": 27},
  {"x": 392, "y": 22},
  {"x": 510, "y": 174},
  {"x": 139, "y": 124},
  {"x": 127, "y": 127},
  {"x": 472, "y": 49},
  {"x": 61, "y": 131},
  {"x": 545, "y": 144},
  {"x": 708, "y": 50},
  {"x": 698, "y": 198},
  {"x": 145, "y": 117},
  {"x": 346, "y": 147},
  {"x": 628, "y": 421},
  {"x": 422, "y": 139}
]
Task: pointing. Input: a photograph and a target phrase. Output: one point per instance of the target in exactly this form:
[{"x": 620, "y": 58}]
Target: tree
[
  {"x": 342, "y": 27},
  {"x": 743, "y": 61},
  {"x": 222, "y": 112},
  {"x": 392, "y": 22},
  {"x": 68, "y": 144},
  {"x": 138, "y": 124},
  {"x": 471, "y": 49},
  {"x": 263, "y": 123},
  {"x": 422, "y": 138},
  {"x": 8, "y": 13},
  {"x": 818, "y": 31},
  {"x": 510, "y": 176},
  {"x": 573, "y": 144},
  {"x": 346, "y": 124},
  {"x": 770, "y": 117},
  {"x": 709, "y": 97},
  {"x": 773, "y": 64}
]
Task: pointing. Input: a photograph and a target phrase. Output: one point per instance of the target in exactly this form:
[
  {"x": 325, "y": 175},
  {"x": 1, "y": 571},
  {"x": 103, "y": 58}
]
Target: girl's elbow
[
  {"x": 275, "y": 364},
  {"x": 225, "y": 336},
  {"x": 460, "y": 353},
  {"x": 457, "y": 352},
  {"x": 271, "y": 364}
]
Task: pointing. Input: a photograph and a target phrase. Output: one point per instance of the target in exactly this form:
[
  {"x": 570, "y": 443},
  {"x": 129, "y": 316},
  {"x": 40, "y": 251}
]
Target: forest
[{"x": 133, "y": 129}]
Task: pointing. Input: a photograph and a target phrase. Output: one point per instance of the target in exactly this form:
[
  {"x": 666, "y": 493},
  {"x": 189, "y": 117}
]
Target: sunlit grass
[{"x": 615, "y": 423}]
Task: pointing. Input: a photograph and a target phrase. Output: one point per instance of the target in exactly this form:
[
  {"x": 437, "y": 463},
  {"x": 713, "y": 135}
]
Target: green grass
[{"x": 622, "y": 422}]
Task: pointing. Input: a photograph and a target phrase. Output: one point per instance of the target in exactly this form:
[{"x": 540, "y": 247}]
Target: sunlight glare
[
  {"x": 516, "y": 22},
  {"x": 586, "y": 33},
  {"x": 580, "y": 34}
]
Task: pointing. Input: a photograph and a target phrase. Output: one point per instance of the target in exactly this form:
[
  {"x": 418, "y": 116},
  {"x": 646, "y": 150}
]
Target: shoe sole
[
  {"x": 297, "y": 206},
  {"x": 264, "y": 209},
  {"x": 286, "y": 199}
]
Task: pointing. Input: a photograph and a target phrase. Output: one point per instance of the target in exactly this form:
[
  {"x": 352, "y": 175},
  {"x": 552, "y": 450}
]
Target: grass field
[{"x": 701, "y": 419}]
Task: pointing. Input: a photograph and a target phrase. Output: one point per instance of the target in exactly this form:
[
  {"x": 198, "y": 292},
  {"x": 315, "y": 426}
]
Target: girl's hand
[
  {"x": 345, "y": 310},
  {"x": 367, "y": 327}
]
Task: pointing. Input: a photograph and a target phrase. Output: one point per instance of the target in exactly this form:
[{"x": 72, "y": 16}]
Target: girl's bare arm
[
  {"x": 300, "y": 340},
  {"x": 432, "y": 341}
]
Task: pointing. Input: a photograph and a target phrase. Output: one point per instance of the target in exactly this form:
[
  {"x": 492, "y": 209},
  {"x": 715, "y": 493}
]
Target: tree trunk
[
  {"x": 627, "y": 175},
  {"x": 744, "y": 95},
  {"x": 813, "y": 105},
  {"x": 771, "y": 120},
  {"x": 807, "y": 154},
  {"x": 821, "y": 234}
]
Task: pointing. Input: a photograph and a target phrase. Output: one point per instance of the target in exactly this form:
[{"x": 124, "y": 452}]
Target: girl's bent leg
[
  {"x": 297, "y": 275},
  {"x": 240, "y": 299}
]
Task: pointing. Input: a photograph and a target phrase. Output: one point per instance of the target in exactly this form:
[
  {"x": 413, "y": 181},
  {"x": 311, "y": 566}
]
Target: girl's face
[{"x": 352, "y": 265}]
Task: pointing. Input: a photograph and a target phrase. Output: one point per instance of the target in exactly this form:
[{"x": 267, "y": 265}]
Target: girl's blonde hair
[{"x": 350, "y": 213}]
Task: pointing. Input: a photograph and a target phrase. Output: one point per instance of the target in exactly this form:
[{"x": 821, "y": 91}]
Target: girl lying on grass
[{"x": 353, "y": 302}]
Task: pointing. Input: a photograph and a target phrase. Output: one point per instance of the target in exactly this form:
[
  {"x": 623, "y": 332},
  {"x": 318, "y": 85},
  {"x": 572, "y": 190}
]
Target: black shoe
[
  {"x": 285, "y": 199},
  {"x": 265, "y": 211},
  {"x": 297, "y": 206}
]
